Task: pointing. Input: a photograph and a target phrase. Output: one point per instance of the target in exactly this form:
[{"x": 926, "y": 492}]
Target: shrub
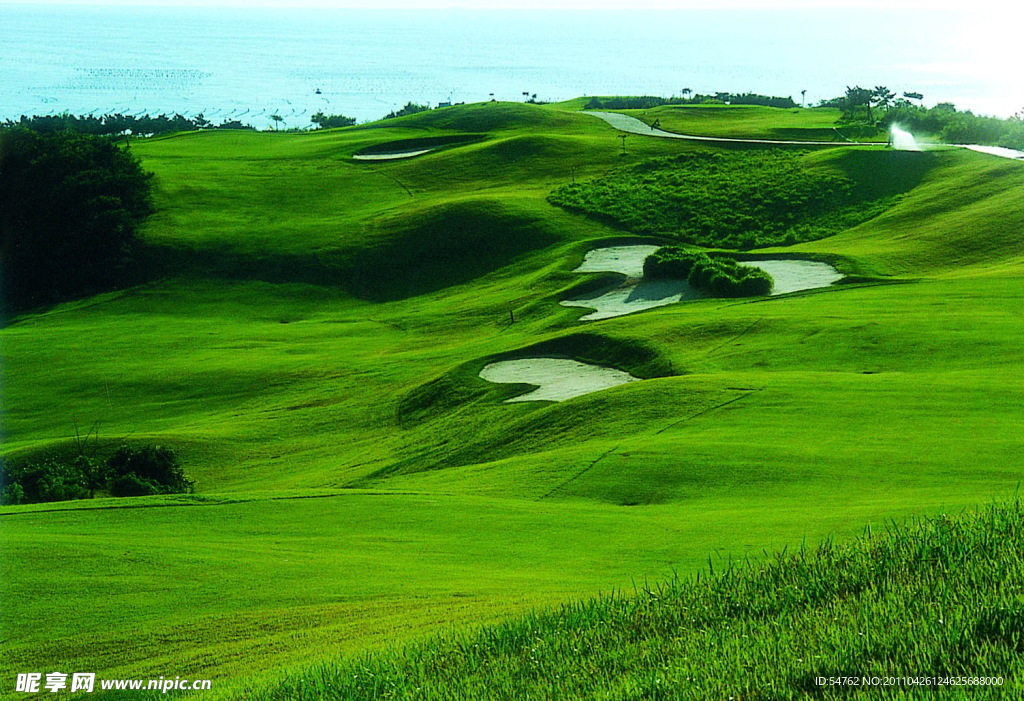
[
  {"x": 12, "y": 494},
  {"x": 756, "y": 283},
  {"x": 331, "y": 121},
  {"x": 151, "y": 464},
  {"x": 128, "y": 472},
  {"x": 721, "y": 277},
  {"x": 718, "y": 199},
  {"x": 131, "y": 485},
  {"x": 44, "y": 481},
  {"x": 722, "y": 284},
  {"x": 673, "y": 261},
  {"x": 410, "y": 108}
]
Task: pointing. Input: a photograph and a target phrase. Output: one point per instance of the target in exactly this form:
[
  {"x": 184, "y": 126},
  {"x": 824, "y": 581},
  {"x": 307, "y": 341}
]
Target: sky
[
  {"x": 986, "y": 44},
  {"x": 999, "y": 10}
]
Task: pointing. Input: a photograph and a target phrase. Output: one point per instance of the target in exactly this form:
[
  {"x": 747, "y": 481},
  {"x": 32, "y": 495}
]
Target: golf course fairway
[{"x": 313, "y": 350}]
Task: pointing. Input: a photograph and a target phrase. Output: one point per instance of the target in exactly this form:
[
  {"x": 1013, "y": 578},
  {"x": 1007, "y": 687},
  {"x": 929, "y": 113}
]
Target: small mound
[
  {"x": 875, "y": 174},
  {"x": 423, "y": 252},
  {"x": 407, "y": 148},
  {"x": 481, "y": 117},
  {"x": 556, "y": 379},
  {"x": 458, "y": 388},
  {"x": 745, "y": 199}
]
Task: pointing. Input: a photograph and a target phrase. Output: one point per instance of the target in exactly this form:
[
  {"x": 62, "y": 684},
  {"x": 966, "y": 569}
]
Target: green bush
[
  {"x": 757, "y": 283},
  {"x": 331, "y": 121},
  {"x": 720, "y": 277},
  {"x": 128, "y": 472},
  {"x": 150, "y": 464},
  {"x": 733, "y": 199},
  {"x": 131, "y": 485},
  {"x": 47, "y": 480}
]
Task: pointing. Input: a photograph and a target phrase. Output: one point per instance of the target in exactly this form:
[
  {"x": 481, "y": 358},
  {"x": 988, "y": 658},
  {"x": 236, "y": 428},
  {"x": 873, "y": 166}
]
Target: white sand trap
[
  {"x": 556, "y": 378},
  {"x": 638, "y": 294},
  {"x": 390, "y": 156},
  {"x": 633, "y": 297},
  {"x": 796, "y": 275},
  {"x": 628, "y": 260},
  {"x": 635, "y": 294}
]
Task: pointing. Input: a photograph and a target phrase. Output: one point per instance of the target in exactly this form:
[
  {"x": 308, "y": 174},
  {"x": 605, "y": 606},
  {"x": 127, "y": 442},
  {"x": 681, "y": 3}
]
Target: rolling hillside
[{"x": 311, "y": 352}]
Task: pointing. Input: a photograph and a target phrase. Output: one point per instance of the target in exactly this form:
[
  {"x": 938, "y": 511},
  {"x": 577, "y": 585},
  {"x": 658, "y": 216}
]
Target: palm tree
[
  {"x": 277, "y": 120},
  {"x": 803, "y": 98},
  {"x": 685, "y": 92}
]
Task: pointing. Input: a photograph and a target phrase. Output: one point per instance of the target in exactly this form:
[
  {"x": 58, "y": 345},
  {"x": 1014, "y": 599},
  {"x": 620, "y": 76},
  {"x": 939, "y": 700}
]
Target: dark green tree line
[{"x": 70, "y": 207}]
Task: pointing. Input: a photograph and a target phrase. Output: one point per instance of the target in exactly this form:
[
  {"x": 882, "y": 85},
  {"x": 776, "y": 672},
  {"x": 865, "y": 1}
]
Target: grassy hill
[
  {"x": 940, "y": 596},
  {"x": 311, "y": 352}
]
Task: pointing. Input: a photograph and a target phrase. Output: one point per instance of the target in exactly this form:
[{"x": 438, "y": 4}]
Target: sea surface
[{"x": 250, "y": 63}]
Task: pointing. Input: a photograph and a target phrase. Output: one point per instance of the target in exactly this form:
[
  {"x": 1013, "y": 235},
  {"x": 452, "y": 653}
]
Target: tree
[
  {"x": 149, "y": 465},
  {"x": 881, "y": 97},
  {"x": 70, "y": 207},
  {"x": 858, "y": 97},
  {"x": 277, "y": 120},
  {"x": 331, "y": 121},
  {"x": 410, "y": 108}
]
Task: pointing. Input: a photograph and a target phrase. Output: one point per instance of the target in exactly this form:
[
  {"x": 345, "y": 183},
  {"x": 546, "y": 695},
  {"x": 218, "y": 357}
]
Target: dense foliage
[
  {"x": 151, "y": 469},
  {"x": 410, "y": 108},
  {"x": 935, "y": 600},
  {"x": 718, "y": 276},
  {"x": 128, "y": 472},
  {"x": 70, "y": 205},
  {"x": 331, "y": 121},
  {"x": 111, "y": 124},
  {"x": 737, "y": 199},
  {"x": 879, "y": 107},
  {"x": 956, "y": 127},
  {"x": 648, "y": 101}
]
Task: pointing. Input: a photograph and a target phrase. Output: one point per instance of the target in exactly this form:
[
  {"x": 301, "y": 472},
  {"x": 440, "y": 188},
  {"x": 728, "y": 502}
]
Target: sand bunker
[
  {"x": 634, "y": 294},
  {"x": 637, "y": 293},
  {"x": 556, "y": 378},
  {"x": 633, "y": 297},
  {"x": 390, "y": 156},
  {"x": 628, "y": 260},
  {"x": 796, "y": 275}
]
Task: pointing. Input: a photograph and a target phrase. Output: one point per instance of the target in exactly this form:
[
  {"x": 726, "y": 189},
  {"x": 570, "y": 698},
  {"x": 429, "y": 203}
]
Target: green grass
[
  {"x": 756, "y": 122},
  {"x": 311, "y": 352},
  {"x": 938, "y": 599}
]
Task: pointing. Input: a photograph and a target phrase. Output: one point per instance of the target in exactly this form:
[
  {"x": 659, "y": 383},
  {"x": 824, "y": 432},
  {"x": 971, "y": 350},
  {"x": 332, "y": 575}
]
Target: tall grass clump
[
  {"x": 938, "y": 599},
  {"x": 718, "y": 276},
  {"x": 732, "y": 199}
]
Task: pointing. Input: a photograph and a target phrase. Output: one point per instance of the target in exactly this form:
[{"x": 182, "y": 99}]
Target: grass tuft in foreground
[{"x": 940, "y": 598}]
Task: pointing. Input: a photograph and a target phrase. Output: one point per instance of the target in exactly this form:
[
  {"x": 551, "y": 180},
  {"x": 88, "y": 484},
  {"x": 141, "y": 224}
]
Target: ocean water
[{"x": 250, "y": 63}]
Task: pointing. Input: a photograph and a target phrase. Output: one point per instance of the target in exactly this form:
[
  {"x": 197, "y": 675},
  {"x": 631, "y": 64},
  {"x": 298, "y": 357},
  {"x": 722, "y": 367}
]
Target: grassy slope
[
  {"x": 787, "y": 419},
  {"x": 747, "y": 121},
  {"x": 938, "y": 602}
]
